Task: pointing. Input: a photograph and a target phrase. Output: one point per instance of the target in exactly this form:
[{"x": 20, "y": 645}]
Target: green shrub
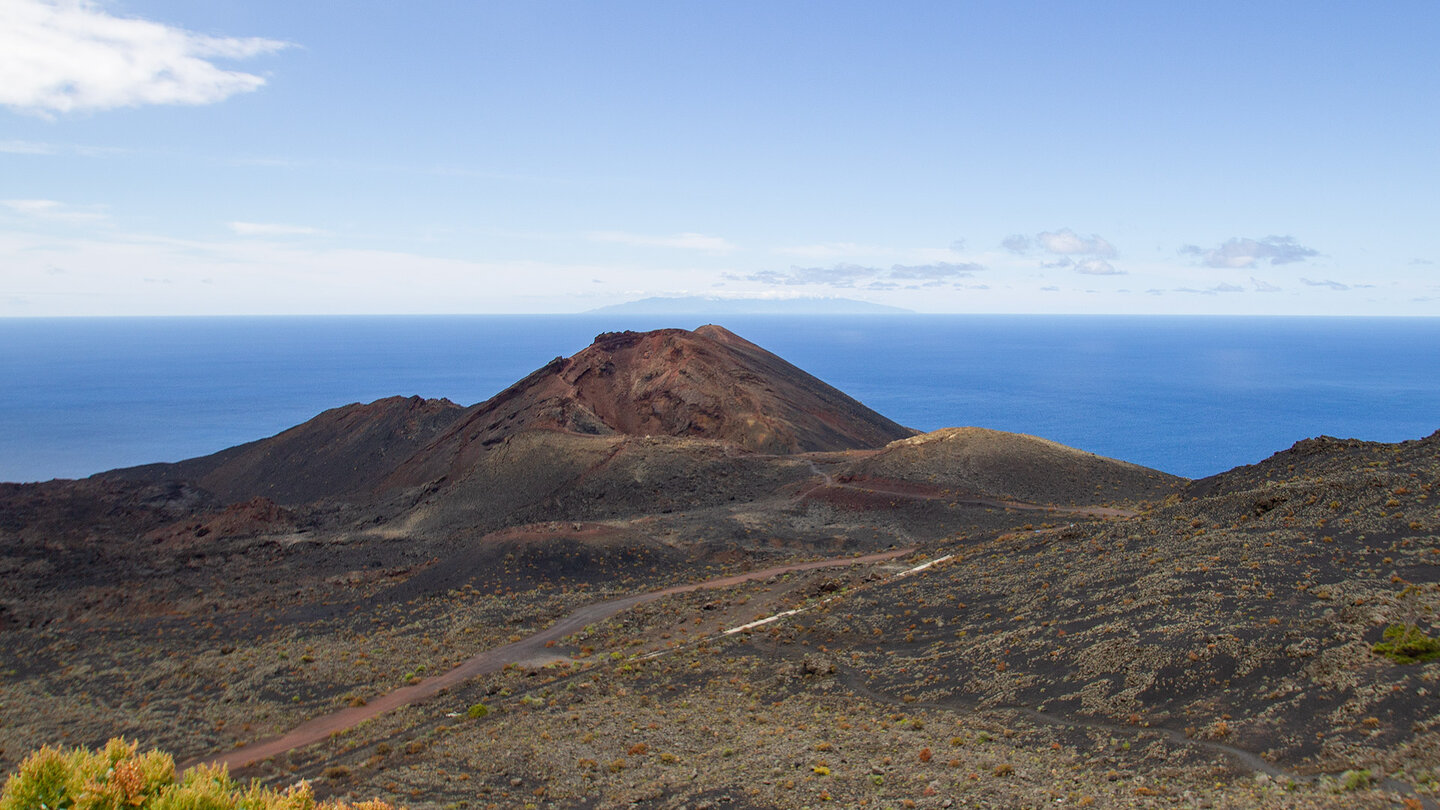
[
  {"x": 1357, "y": 779},
  {"x": 42, "y": 781},
  {"x": 1408, "y": 644},
  {"x": 478, "y": 710},
  {"x": 119, "y": 776},
  {"x": 114, "y": 776}
]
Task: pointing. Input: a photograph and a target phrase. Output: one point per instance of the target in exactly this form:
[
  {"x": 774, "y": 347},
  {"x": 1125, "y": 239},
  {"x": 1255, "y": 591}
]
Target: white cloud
[
  {"x": 59, "y": 56},
  {"x": 1263, "y": 286},
  {"x": 847, "y": 275},
  {"x": 840, "y": 275},
  {"x": 1222, "y": 287},
  {"x": 26, "y": 148},
  {"x": 683, "y": 241},
  {"x": 53, "y": 210},
  {"x": 935, "y": 272},
  {"x": 1070, "y": 247},
  {"x": 31, "y": 207},
  {"x": 1097, "y": 267},
  {"x": 274, "y": 229},
  {"x": 1068, "y": 243},
  {"x": 1243, "y": 252}
]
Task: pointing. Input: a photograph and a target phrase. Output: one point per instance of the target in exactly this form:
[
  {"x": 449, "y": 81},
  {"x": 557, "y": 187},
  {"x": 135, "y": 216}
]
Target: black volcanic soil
[{"x": 1090, "y": 633}]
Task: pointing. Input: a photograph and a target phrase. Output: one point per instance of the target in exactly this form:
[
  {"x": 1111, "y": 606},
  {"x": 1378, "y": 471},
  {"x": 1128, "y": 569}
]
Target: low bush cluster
[{"x": 119, "y": 776}]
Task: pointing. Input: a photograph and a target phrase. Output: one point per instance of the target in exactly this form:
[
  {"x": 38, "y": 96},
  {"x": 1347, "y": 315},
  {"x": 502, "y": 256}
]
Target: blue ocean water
[{"x": 1189, "y": 395}]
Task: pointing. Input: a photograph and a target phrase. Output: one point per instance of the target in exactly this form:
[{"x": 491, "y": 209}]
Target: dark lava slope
[{"x": 342, "y": 453}]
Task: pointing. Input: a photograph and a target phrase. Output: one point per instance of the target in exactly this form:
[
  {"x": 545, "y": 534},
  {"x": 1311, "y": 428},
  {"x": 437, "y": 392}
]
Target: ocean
[{"x": 1192, "y": 396}]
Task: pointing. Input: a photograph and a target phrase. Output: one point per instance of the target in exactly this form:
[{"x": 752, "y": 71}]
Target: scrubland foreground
[{"x": 1057, "y": 629}]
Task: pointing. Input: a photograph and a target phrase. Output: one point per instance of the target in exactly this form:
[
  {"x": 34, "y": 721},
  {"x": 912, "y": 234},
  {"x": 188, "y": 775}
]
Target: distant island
[{"x": 708, "y": 305}]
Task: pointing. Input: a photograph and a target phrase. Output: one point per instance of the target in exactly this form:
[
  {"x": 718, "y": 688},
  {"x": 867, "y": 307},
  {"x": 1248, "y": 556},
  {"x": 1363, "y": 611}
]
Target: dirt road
[{"x": 493, "y": 660}]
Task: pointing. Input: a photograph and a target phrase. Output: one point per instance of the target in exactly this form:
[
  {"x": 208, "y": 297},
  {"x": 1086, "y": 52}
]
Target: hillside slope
[
  {"x": 343, "y": 452},
  {"x": 992, "y": 463}
]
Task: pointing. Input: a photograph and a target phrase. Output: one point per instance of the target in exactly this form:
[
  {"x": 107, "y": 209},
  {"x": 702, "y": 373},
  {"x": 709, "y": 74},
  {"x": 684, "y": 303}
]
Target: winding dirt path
[{"x": 496, "y": 659}]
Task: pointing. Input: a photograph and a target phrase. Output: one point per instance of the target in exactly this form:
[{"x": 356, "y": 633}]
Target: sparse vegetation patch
[{"x": 1408, "y": 644}]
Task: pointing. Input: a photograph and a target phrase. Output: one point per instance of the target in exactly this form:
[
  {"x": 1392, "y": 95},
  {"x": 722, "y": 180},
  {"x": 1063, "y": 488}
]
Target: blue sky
[{"x": 252, "y": 157}]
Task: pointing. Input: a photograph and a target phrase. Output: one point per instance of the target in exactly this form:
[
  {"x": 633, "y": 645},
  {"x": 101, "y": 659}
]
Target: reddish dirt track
[{"x": 319, "y": 728}]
